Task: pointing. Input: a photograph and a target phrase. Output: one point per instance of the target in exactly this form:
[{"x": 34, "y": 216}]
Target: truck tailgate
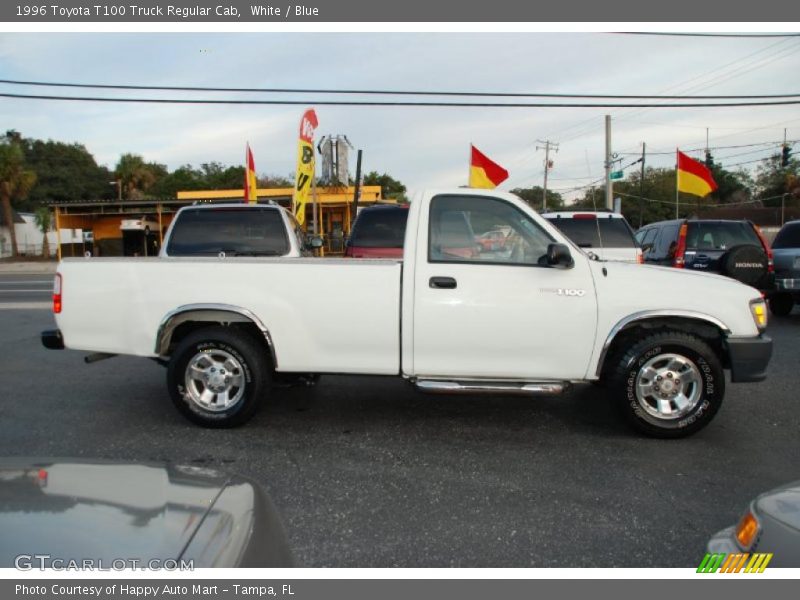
[{"x": 324, "y": 315}]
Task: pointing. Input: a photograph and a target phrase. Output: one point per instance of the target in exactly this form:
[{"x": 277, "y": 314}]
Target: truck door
[{"x": 496, "y": 310}]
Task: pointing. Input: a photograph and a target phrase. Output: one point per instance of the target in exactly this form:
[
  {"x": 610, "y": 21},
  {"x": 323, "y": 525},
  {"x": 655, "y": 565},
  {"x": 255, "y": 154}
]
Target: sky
[{"x": 423, "y": 147}]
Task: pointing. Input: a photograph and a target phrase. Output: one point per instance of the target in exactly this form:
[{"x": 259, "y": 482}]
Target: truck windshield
[{"x": 236, "y": 231}]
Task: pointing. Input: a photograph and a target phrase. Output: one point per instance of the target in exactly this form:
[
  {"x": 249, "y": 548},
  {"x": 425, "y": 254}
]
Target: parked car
[
  {"x": 57, "y": 512},
  {"x": 735, "y": 249},
  {"x": 532, "y": 320},
  {"x": 378, "y": 232},
  {"x": 771, "y": 525},
  {"x": 607, "y": 235},
  {"x": 786, "y": 254},
  {"x": 229, "y": 230},
  {"x": 493, "y": 240}
]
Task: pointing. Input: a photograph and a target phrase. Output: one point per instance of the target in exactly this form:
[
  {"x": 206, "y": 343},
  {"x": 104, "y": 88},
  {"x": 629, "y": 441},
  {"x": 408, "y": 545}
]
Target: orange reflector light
[
  {"x": 746, "y": 530},
  {"x": 57, "y": 294}
]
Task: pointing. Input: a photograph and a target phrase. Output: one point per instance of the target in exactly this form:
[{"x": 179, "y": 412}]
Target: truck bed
[{"x": 308, "y": 305}]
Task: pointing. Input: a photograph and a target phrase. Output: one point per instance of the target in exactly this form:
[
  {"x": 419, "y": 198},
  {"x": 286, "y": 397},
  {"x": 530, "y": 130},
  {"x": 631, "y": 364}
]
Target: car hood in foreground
[{"x": 107, "y": 511}]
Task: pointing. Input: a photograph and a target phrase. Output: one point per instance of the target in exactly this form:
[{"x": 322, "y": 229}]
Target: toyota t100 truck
[{"x": 534, "y": 315}]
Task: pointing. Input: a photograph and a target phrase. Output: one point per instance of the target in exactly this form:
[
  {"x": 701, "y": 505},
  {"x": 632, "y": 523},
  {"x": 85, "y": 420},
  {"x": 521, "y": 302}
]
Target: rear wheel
[
  {"x": 781, "y": 304},
  {"x": 217, "y": 376},
  {"x": 669, "y": 384}
]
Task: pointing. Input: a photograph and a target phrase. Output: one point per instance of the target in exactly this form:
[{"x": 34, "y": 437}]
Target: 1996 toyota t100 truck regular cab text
[{"x": 531, "y": 317}]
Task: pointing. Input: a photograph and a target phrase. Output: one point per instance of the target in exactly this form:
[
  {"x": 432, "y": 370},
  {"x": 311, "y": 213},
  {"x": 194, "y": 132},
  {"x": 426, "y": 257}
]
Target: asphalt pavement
[{"x": 367, "y": 472}]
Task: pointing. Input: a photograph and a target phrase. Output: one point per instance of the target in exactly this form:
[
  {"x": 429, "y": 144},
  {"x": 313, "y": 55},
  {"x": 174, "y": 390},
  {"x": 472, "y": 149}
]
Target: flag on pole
[
  {"x": 250, "y": 184},
  {"x": 305, "y": 165},
  {"x": 694, "y": 177},
  {"x": 484, "y": 172}
]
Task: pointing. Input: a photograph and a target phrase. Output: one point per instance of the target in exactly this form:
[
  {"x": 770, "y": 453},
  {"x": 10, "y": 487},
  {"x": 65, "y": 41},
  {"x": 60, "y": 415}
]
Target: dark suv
[
  {"x": 786, "y": 248},
  {"x": 732, "y": 248},
  {"x": 379, "y": 232}
]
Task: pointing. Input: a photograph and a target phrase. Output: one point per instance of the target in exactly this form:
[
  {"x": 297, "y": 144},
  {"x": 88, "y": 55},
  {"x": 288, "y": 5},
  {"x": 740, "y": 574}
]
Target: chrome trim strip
[
  {"x": 490, "y": 387},
  {"x": 650, "y": 314},
  {"x": 166, "y": 327}
]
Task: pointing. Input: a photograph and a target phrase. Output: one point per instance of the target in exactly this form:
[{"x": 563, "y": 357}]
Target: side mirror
[
  {"x": 558, "y": 255},
  {"x": 315, "y": 242},
  {"x": 647, "y": 247}
]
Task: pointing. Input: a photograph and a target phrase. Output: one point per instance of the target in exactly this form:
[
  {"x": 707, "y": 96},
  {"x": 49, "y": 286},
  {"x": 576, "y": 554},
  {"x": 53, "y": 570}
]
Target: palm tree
[
  {"x": 15, "y": 183},
  {"x": 136, "y": 176},
  {"x": 43, "y": 220}
]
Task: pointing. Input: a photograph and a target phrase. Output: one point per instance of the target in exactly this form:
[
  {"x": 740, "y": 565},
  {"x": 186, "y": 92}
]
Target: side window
[
  {"x": 667, "y": 242},
  {"x": 646, "y": 236},
  {"x": 483, "y": 230}
]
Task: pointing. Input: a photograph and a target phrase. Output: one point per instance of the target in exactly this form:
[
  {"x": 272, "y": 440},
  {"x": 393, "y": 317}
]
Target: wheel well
[
  {"x": 708, "y": 332},
  {"x": 177, "y": 327}
]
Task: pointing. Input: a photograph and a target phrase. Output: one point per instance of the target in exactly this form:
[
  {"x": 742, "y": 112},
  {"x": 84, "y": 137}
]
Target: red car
[{"x": 379, "y": 232}]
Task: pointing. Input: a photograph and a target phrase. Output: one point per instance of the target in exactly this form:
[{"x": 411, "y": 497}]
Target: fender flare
[
  {"x": 647, "y": 315},
  {"x": 212, "y": 313}
]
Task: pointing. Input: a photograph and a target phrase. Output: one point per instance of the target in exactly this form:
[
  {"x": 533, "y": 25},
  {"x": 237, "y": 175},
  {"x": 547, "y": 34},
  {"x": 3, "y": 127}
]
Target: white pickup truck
[{"x": 532, "y": 318}]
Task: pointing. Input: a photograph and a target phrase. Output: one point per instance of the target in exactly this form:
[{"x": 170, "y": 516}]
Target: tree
[
  {"x": 533, "y": 196},
  {"x": 773, "y": 181},
  {"x": 391, "y": 188},
  {"x": 217, "y": 176},
  {"x": 15, "y": 181},
  {"x": 64, "y": 172},
  {"x": 138, "y": 177},
  {"x": 43, "y": 220}
]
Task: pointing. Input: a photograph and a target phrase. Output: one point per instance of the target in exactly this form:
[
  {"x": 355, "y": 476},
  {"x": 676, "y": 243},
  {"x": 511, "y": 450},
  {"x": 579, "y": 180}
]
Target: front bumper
[
  {"x": 749, "y": 358},
  {"x": 723, "y": 542},
  {"x": 53, "y": 339}
]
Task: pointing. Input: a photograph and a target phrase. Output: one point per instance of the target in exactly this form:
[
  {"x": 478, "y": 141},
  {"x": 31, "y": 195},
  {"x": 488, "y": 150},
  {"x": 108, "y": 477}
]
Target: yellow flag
[{"x": 305, "y": 164}]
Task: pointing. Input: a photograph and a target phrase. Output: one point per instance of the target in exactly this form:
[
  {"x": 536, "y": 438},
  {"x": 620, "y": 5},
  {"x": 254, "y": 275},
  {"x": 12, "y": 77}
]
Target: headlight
[
  {"x": 747, "y": 530},
  {"x": 758, "y": 308}
]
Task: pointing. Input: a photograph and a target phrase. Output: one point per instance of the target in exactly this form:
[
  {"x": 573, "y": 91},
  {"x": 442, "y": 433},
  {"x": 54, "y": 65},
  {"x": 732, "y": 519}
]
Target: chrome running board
[{"x": 541, "y": 388}]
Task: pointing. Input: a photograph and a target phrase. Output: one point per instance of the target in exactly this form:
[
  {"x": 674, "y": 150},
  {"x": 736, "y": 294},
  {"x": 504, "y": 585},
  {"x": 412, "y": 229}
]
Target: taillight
[
  {"x": 57, "y": 294},
  {"x": 678, "y": 260},
  {"x": 767, "y": 249},
  {"x": 639, "y": 257}
]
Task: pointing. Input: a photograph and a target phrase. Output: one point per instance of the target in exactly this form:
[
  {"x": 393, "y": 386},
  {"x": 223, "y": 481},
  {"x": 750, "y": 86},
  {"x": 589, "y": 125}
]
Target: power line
[
  {"x": 398, "y": 103},
  {"x": 364, "y": 92},
  {"x": 720, "y": 35}
]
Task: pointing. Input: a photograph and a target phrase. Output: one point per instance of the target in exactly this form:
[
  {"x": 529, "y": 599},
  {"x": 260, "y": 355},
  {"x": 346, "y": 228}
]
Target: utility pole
[
  {"x": 641, "y": 187},
  {"x": 547, "y": 145},
  {"x": 609, "y": 190},
  {"x": 356, "y": 192}
]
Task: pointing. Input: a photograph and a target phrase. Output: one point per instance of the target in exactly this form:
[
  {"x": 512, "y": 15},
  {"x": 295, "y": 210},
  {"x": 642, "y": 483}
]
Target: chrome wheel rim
[
  {"x": 668, "y": 386},
  {"x": 214, "y": 380}
]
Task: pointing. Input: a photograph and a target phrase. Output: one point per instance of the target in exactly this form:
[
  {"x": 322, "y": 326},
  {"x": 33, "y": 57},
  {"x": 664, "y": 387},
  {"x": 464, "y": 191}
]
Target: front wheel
[
  {"x": 217, "y": 376},
  {"x": 669, "y": 384}
]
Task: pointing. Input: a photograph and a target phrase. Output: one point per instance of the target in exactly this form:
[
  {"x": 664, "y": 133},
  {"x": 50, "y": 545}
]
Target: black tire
[
  {"x": 215, "y": 346},
  {"x": 781, "y": 304},
  {"x": 654, "y": 351},
  {"x": 746, "y": 263}
]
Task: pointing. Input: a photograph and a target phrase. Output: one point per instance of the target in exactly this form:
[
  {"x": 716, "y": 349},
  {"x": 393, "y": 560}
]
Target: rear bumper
[
  {"x": 787, "y": 285},
  {"x": 749, "y": 358},
  {"x": 52, "y": 339}
]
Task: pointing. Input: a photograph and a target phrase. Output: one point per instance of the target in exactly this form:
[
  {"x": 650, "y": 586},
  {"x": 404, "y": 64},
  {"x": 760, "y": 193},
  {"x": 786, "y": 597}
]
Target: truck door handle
[{"x": 443, "y": 283}]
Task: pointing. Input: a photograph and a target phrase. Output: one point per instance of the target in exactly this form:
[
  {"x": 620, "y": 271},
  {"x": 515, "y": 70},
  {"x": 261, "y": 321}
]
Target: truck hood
[{"x": 625, "y": 289}]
